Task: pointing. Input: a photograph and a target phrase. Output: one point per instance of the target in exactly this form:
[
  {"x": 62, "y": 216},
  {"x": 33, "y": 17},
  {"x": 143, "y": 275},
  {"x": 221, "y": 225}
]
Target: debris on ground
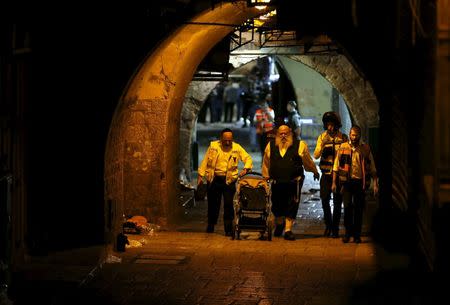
[
  {"x": 138, "y": 225},
  {"x": 134, "y": 244},
  {"x": 113, "y": 259}
]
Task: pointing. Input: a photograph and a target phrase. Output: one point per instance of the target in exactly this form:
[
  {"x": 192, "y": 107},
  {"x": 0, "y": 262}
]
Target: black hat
[
  {"x": 333, "y": 117},
  {"x": 293, "y": 103}
]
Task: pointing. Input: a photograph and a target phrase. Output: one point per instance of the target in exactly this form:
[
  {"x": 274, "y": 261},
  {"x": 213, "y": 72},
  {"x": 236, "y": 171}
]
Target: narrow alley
[{"x": 185, "y": 265}]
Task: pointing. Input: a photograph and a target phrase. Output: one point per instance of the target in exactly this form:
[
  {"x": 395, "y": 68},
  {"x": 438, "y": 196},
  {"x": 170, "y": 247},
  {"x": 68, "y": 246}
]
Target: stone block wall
[
  {"x": 193, "y": 101},
  {"x": 357, "y": 92}
]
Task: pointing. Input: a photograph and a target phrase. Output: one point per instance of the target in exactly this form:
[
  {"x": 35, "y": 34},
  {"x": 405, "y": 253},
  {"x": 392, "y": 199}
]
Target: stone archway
[
  {"x": 141, "y": 152},
  {"x": 193, "y": 101},
  {"x": 357, "y": 92},
  {"x": 337, "y": 69}
]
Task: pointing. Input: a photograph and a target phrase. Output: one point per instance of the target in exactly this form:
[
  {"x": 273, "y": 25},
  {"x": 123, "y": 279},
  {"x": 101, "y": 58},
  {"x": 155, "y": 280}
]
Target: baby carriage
[{"x": 252, "y": 206}]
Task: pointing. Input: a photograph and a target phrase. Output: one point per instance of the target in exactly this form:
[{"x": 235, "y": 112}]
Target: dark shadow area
[{"x": 397, "y": 286}]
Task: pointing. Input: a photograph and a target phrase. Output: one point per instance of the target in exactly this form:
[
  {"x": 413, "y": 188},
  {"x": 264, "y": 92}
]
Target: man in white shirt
[
  {"x": 285, "y": 160},
  {"x": 220, "y": 167}
]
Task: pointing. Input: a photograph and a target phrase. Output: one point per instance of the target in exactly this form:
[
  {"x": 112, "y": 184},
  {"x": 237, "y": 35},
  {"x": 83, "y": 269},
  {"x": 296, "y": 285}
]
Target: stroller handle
[
  {"x": 253, "y": 173},
  {"x": 249, "y": 173},
  {"x": 269, "y": 180}
]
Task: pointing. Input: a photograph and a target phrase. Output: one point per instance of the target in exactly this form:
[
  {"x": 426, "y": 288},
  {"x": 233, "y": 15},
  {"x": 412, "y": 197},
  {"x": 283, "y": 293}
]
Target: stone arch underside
[
  {"x": 357, "y": 92},
  {"x": 195, "y": 98},
  {"x": 364, "y": 107},
  {"x": 141, "y": 159}
]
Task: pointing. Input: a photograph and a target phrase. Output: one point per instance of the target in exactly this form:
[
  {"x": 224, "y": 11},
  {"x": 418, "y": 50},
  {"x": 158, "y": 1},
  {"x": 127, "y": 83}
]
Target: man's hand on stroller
[
  {"x": 199, "y": 180},
  {"x": 244, "y": 172}
]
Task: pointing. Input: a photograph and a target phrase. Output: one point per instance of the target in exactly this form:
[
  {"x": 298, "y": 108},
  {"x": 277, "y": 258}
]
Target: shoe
[
  {"x": 357, "y": 240},
  {"x": 278, "y": 230},
  {"x": 289, "y": 235},
  {"x": 335, "y": 235},
  {"x": 345, "y": 239},
  {"x": 210, "y": 228},
  {"x": 327, "y": 232}
]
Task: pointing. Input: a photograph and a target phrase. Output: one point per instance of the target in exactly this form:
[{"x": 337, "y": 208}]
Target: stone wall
[
  {"x": 357, "y": 92},
  {"x": 193, "y": 101},
  {"x": 142, "y": 153}
]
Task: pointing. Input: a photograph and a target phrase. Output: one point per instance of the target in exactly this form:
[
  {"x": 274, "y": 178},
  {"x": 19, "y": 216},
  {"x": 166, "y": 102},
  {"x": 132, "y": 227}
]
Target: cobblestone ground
[
  {"x": 188, "y": 266},
  {"x": 185, "y": 265}
]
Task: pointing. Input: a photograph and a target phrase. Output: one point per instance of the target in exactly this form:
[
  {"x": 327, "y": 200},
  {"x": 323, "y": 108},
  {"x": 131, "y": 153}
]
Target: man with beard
[
  {"x": 285, "y": 160},
  {"x": 220, "y": 166},
  {"x": 327, "y": 146},
  {"x": 353, "y": 167}
]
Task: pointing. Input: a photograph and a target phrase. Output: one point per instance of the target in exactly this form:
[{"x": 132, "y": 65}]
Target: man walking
[
  {"x": 264, "y": 122},
  {"x": 327, "y": 146},
  {"x": 220, "y": 167},
  {"x": 231, "y": 95},
  {"x": 353, "y": 167},
  {"x": 285, "y": 160}
]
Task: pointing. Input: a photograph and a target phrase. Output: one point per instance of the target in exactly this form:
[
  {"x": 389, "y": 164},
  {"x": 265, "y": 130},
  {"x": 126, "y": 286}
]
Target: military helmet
[{"x": 333, "y": 117}]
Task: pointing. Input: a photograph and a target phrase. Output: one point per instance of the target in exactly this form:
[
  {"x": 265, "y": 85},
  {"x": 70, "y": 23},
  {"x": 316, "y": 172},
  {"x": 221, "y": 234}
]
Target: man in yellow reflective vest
[
  {"x": 328, "y": 144},
  {"x": 264, "y": 121},
  {"x": 353, "y": 167},
  {"x": 220, "y": 167}
]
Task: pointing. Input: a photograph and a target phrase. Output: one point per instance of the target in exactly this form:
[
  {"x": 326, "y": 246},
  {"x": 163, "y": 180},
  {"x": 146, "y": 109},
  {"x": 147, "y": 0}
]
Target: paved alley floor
[
  {"x": 188, "y": 266},
  {"x": 185, "y": 265}
]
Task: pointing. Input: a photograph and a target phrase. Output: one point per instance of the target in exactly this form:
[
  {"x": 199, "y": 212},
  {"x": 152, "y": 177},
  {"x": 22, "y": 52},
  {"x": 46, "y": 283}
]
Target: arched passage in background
[
  {"x": 141, "y": 154},
  {"x": 336, "y": 69},
  {"x": 357, "y": 92},
  {"x": 141, "y": 158}
]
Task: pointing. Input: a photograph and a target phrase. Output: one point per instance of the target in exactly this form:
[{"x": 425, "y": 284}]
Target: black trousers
[
  {"x": 216, "y": 189},
  {"x": 284, "y": 201},
  {"x": 246, "y": 111},
  {"x": 331, "y": 220},
  {"x": 354, "y": 202},
  {"x": 229, "y": 107}
]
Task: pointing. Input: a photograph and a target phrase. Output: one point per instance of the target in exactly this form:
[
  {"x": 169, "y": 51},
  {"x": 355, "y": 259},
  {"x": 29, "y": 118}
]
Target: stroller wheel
[
  {"x": 262, "y": 235},
  {"x": 269, "y": 232}
]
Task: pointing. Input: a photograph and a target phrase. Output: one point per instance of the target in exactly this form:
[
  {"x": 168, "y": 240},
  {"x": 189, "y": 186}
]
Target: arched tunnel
[
  {"x": 159, "y": 86},
  {"x": 91, "y": 127},
  {"x": 152, "y": 104}
]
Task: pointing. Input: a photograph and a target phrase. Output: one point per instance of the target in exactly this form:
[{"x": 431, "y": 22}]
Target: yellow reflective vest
[
  {"x": 326, "y": 149},
  {"x": 208, "y": 165},
  {"x": 355, "y": 163}
]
